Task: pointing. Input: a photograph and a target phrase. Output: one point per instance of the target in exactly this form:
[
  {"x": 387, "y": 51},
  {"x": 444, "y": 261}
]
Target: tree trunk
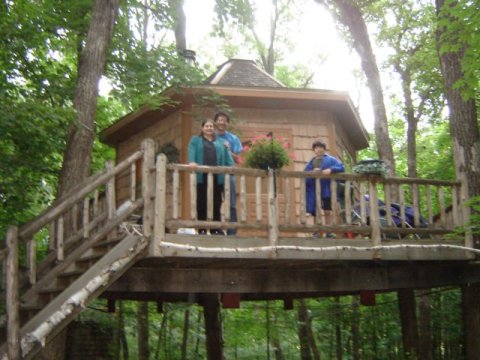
[
  {"x": 305, "y": 317},
  {"x": 464, "y": 128},
  {"x": 121, "y": 345},
  {"x": 349, "y": 15},
  {"x": 142, "y": 328},
  {"x": 305, "y": 353},
  {"x": 425, "y": 349},
  {"x": 355, "y": 329},
  {"x": 180, "y": 24},
  {"x": 408, "y": 319},
  {"x": 471, "y": 320},
  {"x": 213, "y": 326},
  {"x": 186, "y": 327},
  {"x": 161, "y": 332},
  {"x": 91, "y": 65},
  {"x": 338, "y": 330},
  {"x": 81, "y": 133},
  {"x": 465, "y": 134}
]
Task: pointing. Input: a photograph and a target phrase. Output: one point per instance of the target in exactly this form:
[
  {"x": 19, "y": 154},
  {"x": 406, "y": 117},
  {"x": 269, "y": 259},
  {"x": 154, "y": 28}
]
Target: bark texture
[
  {"x": 408, "y": 319},
  {"x": 348, "y": 14},
  {"x": 91, "y": 65},
  {"x": 213, "y": 326}
]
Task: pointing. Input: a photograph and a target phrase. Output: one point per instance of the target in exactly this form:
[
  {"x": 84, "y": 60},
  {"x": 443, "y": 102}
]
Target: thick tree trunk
[
  {"x": 425, "y": 330},
  {"x": 180, "y": 24},
  {"x": 408, "y": 319},
  {"x": 78, "y": 152},
  {"x": 338, "y": 330},
  {"x": 349, "y": 15},
  {"x": 465, "y": 133},
  {"x": 355, "y": 329},
  {"x": 305, "y": 353},
  {"x": 142, "y": 328},
  {"x": 91, "y": 65},
  {"x": 471, "y": 320},
  {"x": 186, "y": 327},
  {"x": 213, "y": 326},
  {"x": 464, "y": 127},
  {"x": 308, "y": 323}
]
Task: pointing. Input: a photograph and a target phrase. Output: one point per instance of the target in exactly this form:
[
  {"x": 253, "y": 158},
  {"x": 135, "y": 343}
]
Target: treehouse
[{"x": 121, "y": 233}]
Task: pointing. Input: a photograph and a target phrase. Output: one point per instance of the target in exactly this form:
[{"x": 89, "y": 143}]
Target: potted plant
[{"x": 266, "y": 152}]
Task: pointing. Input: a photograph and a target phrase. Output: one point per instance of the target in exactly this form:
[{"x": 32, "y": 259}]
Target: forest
[{"x": 70, "y": 69}]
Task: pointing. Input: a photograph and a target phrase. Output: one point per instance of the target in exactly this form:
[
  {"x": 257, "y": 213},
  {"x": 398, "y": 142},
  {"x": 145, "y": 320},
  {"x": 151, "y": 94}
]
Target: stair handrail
[{"x": 88, "y": 185}]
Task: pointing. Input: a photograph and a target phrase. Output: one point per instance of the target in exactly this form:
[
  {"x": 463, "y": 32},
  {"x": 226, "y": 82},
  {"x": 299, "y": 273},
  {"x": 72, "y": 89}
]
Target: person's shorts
[{"x": 326, "y": 203}]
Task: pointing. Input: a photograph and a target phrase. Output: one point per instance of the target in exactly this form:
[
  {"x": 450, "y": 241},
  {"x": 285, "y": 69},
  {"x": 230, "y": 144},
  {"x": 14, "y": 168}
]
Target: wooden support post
[
  {"x": 60, "y": 235},
  {"x": 210, "y": 180},
  {"x": 12, "y": 295},
  {"x": 160, "y": 205},
  {"x": 86, "y": 217},
  {"x": 374, "y": 213},
  {"x": 302, "y": 202},
  {"x": 133, "y": 182},
  {"x": 288, "y": 199},
  {"x": 348, "y": 202},
  {"x": 388, "y": 204},
  {"x": 32, "y": 260},
  {"x": 193, "y": 196},
  {"x": 272, "y": 210},
  {"x": 258, "y": 199},
  {"x": 110, "y": 197},
  {"x": 175, "y": 193},
  {"x": 243, "y": 199},
  {"x": 148, "y": 184},
  {"x": 226, "y": 202}
]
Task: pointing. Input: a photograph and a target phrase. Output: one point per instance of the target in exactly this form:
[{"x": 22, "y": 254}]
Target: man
[
  {"x": 327, "y": 165},
  {"x": 231, "y": 141}
]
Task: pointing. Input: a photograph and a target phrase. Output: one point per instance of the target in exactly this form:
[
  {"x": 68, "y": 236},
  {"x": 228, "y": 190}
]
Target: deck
[{"x": 98, "y": 249}]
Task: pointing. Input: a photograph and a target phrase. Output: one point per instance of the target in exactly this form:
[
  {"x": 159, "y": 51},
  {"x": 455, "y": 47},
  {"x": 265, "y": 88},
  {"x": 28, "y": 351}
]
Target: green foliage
[
  {"x": 459, "y": 24},
  {"x": 264, "y": 152}
]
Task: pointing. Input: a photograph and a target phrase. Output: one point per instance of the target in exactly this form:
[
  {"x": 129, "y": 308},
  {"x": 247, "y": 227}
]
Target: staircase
[{"x": 88, "y": 252}]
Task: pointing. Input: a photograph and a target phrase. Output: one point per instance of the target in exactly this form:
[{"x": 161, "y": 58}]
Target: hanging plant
[{"x": 265, "y": 151}]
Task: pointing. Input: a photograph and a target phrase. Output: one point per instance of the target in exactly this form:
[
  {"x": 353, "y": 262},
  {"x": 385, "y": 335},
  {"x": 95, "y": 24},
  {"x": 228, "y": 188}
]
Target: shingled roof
[{"x": 240, "y": 72}]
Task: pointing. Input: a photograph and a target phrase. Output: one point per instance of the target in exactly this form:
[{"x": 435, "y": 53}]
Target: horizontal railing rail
[{"x": 274, "y": 203}]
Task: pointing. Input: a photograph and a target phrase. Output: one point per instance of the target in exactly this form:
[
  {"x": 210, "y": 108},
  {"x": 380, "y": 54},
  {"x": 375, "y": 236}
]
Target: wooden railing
[{"x": 367, "y": 206}]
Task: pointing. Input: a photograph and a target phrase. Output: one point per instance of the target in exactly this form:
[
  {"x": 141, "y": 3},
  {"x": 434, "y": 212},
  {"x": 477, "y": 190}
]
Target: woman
[{"x": 206, "y": 149}]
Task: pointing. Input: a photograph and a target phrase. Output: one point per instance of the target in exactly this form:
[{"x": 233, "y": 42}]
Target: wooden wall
[{"x": 300, "y": 127}]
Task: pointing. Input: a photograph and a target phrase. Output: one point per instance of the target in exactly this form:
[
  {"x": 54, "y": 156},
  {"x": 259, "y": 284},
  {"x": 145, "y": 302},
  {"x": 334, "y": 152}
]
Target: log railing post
[
  {"x": 12, "y": 294},
  {"x": 374, "y": 213},
  {"x": 272, "y": 209},
  {"x": 160, "y": 205},
  {"x": 148, "y": 185},
  {"x": 110, "y": 197}
]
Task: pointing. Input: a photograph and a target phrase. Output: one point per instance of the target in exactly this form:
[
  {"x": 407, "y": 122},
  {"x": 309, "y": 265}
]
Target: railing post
[
  {"x": 272, "y": 209},
  {"x": 148, "y": 184},
  {"x": 12, "y": 294},
  {"x": 110, "y": 197},
  {"x": 466, "y": 212},
  {"x": 374, "y": 213},
  {"x": 160, "y": 205}
]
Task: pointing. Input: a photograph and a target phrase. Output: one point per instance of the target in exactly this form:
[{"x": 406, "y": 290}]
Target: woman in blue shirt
[{"x": 206, "y": 149}]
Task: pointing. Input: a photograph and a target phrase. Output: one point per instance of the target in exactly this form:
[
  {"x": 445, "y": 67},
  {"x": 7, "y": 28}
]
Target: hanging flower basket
[
  {"x": 371, "y": 167},
  {"x": 265, "y": 152}
]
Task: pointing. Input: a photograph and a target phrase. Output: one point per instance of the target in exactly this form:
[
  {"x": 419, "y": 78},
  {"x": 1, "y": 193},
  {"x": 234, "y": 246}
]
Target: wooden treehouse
[{"x": 98, "y": 248}]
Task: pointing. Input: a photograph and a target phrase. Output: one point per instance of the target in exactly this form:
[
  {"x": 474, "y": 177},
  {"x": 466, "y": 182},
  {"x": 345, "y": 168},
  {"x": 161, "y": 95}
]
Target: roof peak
[{"x": 242, "y": 72}]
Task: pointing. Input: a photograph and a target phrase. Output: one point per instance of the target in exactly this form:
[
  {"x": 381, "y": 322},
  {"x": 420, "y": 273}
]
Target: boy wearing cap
[{"x": 327, "y": 165}]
